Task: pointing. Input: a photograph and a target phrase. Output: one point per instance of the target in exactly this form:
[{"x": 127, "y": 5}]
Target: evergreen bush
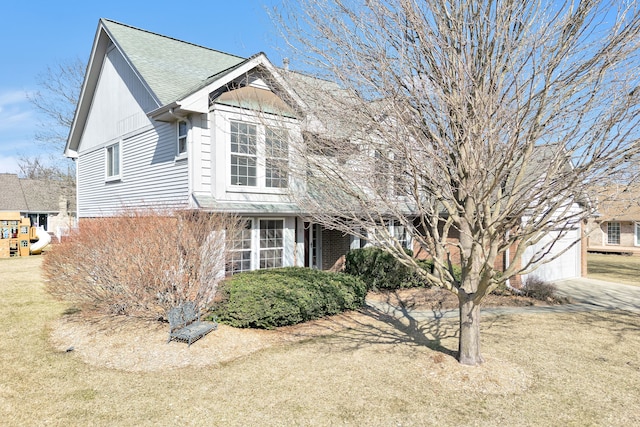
[
  {"x": 286, "y": 296},
  {"x": 380, "y": 270}
]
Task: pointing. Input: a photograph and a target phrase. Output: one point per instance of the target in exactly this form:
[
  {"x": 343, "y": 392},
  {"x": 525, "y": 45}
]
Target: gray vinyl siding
[
  {"x": 119, "y": 105},
  {"x": 150, "y": 176}
]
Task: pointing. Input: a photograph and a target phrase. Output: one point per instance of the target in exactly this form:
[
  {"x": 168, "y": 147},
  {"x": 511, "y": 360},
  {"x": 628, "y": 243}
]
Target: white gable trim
[{"x": 198, "y": 101}]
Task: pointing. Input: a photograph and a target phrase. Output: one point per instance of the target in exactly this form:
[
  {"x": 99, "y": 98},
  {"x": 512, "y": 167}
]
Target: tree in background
[
  {"x": 475, "y": 127},
  {"x": 56, "y": 101}
]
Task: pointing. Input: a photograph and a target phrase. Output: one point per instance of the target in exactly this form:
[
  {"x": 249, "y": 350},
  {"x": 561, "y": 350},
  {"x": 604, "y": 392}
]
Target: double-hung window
[
  {"x": 276, "y": 158},
  {"x": 259, "y": 156},
  {"x": 182, "y": 138},
  {"x": 240, "y": 249},
  {"x": 271, "y": 243},
  {"x": 613, "y": 233},
  {"x": 258, "y": 244},
  {"x": 244, "y": 154},
  {"x": 113, "y": 161}
]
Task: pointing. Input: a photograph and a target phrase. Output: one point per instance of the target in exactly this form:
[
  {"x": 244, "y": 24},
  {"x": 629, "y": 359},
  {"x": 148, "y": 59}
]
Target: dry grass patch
[
  {"x": 362, "y": 369},
  {"x": 614, "y": 268}
]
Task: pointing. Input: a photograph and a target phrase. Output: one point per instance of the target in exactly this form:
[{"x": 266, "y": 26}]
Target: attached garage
[{"x": 567, "y": 265}]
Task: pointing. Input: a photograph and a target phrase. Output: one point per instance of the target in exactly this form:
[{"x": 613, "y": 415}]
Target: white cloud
[
  {"x": 15, "y": 109},
  {"x": 12, "y": 97}
]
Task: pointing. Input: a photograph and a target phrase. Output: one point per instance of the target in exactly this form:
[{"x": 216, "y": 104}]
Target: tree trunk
[{"x": 469, "y": 341}]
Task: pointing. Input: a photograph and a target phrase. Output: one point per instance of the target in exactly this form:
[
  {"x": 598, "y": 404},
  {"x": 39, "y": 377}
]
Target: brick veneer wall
[{"x": 335, "y": 245}]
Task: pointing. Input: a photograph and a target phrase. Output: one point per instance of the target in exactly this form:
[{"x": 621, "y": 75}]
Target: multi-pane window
[
  {"x": 259, "y": 156},
  {"x": 182, "y": 137},
  {"x": 276, "y": 158},
  {"x": 240, "y": 249},
  {"x": 271, "y": 243},
  {"x": 613, "y": 233},
  {"x": 400, "y": 233},
  {"x": 244, "y": 154},
  {"x": 113, "y": 161}
]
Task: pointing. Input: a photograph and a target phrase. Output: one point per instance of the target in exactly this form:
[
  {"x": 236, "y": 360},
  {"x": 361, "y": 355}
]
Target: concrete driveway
[
  {"x": 586, "y": 294},
  {"x": 598, "y": 294}
]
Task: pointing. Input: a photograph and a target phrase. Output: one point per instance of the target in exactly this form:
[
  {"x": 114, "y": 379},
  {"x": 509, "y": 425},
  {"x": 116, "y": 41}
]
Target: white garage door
[{"x": 566, "y": 266}]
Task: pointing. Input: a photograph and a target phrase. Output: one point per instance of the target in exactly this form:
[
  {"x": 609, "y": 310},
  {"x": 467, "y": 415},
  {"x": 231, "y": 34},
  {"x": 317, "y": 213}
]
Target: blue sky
[{"x": 38, "y": 34}]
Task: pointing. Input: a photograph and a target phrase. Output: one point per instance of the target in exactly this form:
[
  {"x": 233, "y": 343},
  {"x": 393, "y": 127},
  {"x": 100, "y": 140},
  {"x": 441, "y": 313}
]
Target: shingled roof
[
  {"x": 171, "y": 68},
  {"x": 33, "y": 195}
]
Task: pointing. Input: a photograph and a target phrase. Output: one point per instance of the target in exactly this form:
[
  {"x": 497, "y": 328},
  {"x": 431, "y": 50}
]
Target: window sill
[
  {"x": 256, "y": 190},
  {"x": 112, "y": 179},
  {"x": 180, "y": 158}
]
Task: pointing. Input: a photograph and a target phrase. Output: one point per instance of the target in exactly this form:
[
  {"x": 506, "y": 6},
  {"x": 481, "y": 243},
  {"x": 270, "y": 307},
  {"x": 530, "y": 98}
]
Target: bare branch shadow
[{"x": 394, "y": 322}]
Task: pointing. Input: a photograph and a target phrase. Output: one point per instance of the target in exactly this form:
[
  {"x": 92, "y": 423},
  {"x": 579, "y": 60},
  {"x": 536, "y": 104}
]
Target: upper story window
[
  {"x": 113, "y": 161},
  {"x": 276, "y": 158},
  {"x": 182, "y": 138},
  {"x": 259, "y": 156},
  {"x": 244, "y": 154}
]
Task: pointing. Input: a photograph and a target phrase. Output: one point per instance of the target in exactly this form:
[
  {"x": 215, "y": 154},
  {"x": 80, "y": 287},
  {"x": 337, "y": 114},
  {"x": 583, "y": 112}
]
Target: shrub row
[
  {"x": 381, "y": 270},
  {"x": 286, "y": 296}
]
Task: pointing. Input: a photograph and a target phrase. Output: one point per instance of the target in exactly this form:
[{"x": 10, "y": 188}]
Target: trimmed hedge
[{"x": 286, "y": 296}]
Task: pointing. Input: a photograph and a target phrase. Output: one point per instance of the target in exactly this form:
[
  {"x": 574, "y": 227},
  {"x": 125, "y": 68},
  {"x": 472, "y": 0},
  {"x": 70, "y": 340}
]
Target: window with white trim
[
  {"x": 276, "y": 158},
  {"x": 244, "y": 154},
  {"x": 112, "y": 154},
  {"x": 613, "y": 233},
  {"x": 259, "y": 156},
  {"x": 271, "y": 243},
  {"x": 239, "y": 244},
  {"x": 182, "y": 138},
  {"x": 637, "y": 228},
  {"x": 400, "y": 233}
]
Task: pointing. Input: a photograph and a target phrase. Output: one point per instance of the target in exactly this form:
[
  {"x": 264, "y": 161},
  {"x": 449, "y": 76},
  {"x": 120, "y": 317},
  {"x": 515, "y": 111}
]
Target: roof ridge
[{"x": 170, "y": 38}]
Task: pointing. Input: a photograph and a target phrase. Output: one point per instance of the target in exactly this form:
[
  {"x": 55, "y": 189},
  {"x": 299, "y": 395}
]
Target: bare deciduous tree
[
  {"x": 477, "y": 126},
  {"x": 56, "y": 100}
]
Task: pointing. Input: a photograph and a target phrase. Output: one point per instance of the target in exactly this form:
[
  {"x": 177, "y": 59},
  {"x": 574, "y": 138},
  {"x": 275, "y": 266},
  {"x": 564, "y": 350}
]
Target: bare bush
[
  {"x": 539, "y": 289},
  {"x": 140, "y": 263}
]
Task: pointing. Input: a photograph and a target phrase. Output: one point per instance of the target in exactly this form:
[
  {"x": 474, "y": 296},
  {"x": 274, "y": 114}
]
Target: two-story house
[{"x": 163, "y": 123}]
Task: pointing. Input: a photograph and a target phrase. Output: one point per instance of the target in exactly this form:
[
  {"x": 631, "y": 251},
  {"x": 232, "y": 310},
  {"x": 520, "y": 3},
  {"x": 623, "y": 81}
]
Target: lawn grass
[
  {"x": 570, "y": 369},
  {"x": 614, "y": 268}
]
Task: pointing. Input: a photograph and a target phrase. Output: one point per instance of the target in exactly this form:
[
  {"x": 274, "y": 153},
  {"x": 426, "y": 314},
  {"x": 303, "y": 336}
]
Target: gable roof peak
[
  {"x": 106, "y": 22},
  {"x": 168, "y": 67}
]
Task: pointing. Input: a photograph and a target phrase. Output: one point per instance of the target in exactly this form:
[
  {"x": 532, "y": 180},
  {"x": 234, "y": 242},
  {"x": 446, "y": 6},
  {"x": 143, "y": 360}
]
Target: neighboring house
[
  {"x": 166, "y": 123},
  {"x": 47, "y": 203},
  {"x": 616, "y": 227}
]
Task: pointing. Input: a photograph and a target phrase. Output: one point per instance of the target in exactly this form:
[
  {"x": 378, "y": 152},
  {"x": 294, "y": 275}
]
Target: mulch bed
[{"x": 136, "y": 345}]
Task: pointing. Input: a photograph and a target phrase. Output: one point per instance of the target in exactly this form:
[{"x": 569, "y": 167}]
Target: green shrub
[
  {"x": 380, "y": 270},
  {"x": 427, "y": 265},
  {"x": 286, "y": 296}
]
